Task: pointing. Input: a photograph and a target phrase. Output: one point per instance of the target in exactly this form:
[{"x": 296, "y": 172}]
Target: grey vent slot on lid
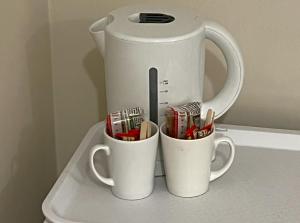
[
  {"x": 153, "y": 95},
  {"x": 155, "y": 18}
]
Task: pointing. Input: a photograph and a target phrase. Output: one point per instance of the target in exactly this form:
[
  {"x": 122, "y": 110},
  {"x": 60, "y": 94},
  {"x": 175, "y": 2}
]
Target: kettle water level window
[{"x": 153, "y": 95}]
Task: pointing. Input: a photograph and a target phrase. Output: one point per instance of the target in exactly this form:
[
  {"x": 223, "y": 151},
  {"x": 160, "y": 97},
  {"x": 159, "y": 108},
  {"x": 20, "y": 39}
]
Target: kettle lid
[{"x": 152, "y": 23}]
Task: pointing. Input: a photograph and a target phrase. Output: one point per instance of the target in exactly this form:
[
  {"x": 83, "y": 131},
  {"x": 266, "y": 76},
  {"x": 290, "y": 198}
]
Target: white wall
[{"x": 27, "y": 153}]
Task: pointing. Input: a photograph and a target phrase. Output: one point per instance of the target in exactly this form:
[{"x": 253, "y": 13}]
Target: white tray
[{"x": 263, "y": 185}]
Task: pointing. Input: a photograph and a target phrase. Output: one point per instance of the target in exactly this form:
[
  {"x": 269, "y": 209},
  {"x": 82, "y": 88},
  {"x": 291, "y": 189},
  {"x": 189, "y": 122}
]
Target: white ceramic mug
[
  {"x": 131, "y": 165},
  {"x": 187, "y": 163}
]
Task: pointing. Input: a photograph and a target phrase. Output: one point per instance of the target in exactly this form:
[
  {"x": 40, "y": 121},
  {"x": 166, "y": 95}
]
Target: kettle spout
[{"x": 97, "y": 32}]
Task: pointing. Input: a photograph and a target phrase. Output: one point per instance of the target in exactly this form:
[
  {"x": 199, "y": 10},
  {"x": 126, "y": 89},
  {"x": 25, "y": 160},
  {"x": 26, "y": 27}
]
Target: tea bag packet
[
  {"x": 133, "y": 117},
  {"x": 183, "y": 117},
  {"x": 184, "y": 121},
  {"x": 126, "y": 124},
  {"x": 176, "y": 123},
  {"x": 114, "y": 123}
]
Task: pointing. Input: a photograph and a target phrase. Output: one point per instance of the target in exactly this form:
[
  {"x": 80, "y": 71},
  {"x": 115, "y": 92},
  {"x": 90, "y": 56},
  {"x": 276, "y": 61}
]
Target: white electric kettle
[{"x": 154, "y": 56}]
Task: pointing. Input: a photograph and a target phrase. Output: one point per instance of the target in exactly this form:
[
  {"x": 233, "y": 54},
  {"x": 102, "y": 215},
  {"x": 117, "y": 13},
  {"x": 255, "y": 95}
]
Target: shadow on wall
[
  {"x": 79, "y": 85},
  {"x": 94, "y": 66},
  {"x": 33, "y": 168}
]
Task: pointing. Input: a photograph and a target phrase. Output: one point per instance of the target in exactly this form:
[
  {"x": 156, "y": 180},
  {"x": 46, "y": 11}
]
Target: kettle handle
[{"x": 227, "y": 96}]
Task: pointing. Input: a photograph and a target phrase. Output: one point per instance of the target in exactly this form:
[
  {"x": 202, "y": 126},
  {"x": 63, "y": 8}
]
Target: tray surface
[{"x": 263, "y": 185}]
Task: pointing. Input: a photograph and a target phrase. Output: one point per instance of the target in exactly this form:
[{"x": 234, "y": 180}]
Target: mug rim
[
  {"x": 137, "y": 141},
  {"x": 183, "y": 140}
]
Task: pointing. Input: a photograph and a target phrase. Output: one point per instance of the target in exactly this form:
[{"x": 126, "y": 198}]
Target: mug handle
[
  {"x": 216, "y": 174},
  {"x": 108, "y": 181}
]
